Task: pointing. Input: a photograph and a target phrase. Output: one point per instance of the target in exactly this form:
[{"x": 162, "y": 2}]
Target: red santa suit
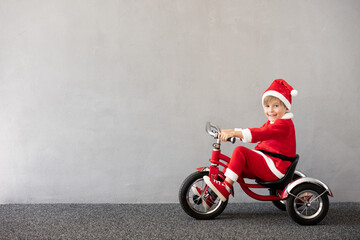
[{"x": 273, "y": 138}]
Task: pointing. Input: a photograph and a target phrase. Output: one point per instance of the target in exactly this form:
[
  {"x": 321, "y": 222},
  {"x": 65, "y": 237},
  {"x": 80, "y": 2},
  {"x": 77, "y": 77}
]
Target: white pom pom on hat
[
  {"x": 281, "y": 89},
  {"x": 294, "y": 93}
]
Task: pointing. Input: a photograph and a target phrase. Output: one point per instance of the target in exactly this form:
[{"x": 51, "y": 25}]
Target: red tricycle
[{"x": 304, "y": 198}]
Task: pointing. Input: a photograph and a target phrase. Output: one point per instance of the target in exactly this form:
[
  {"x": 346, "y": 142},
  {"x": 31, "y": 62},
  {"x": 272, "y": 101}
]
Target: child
[{"x": 276, "y": 143}]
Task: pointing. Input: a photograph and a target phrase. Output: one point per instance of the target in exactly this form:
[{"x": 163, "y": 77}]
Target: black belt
[{"x": 276, "y": 155}]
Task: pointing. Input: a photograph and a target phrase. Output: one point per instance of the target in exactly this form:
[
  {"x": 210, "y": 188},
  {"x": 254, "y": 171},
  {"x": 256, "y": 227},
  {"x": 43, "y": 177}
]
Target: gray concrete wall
[{"x": 106, "y": 101}]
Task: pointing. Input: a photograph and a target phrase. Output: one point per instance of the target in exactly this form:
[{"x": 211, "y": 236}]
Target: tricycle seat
[{"x": 283, "y": 182}]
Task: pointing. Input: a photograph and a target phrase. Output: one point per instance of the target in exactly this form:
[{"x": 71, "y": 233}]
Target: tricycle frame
[{"x": 215, "y": 161}]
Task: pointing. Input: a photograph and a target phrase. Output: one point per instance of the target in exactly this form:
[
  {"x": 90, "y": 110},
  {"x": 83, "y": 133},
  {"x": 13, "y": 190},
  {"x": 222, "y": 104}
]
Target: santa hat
[{"x": 282, "y": 90}]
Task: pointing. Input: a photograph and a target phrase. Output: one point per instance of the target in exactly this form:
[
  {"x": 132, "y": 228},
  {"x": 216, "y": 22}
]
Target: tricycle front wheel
[
  {"x": 307, "y": 204},
  {"x": 191, "y": 202}
]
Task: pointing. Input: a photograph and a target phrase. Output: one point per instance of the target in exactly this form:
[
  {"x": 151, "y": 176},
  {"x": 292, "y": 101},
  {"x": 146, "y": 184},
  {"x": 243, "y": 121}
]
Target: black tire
[
  {"x": 307, "y": 204},
  {"x": 192, "y": 204},
  {"x": 281, "y": 204}
]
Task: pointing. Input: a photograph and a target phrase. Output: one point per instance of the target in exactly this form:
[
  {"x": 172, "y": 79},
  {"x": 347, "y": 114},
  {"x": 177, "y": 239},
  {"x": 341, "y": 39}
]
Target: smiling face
[{"x": 274, "y": 109}]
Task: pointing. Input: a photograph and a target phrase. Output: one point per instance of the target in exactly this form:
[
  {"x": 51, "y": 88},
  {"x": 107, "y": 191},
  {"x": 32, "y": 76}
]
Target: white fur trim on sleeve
[{"x": 247, "y": 135}]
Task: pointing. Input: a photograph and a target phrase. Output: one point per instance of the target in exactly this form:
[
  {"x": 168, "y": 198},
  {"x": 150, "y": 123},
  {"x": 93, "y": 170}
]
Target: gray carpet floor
[{"x": 168, "y": 221}]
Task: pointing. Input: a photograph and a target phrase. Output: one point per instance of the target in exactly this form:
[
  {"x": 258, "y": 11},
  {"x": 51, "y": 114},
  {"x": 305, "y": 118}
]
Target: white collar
[{"x": 288, "y": 115}]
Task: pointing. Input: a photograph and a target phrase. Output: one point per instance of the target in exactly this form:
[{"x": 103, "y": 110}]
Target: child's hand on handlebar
[{"x": 225, "y": 134}]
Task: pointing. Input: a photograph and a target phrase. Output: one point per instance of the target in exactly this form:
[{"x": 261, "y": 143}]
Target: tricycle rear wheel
[
  {"x": 307, "y": 204},
  {"x": 281, "y": 204}
]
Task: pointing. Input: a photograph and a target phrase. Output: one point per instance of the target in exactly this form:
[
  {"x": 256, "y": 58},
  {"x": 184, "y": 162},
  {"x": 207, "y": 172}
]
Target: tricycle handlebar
[{"x": 214, "y": 131}]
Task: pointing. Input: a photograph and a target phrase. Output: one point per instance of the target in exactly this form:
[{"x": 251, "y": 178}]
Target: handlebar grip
[{"x": 232, "y": 140}]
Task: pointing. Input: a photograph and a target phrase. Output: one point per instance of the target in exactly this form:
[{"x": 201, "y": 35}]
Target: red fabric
[
  {"x": 277, "y": 137},
  {"x": 249, "y": 164}
]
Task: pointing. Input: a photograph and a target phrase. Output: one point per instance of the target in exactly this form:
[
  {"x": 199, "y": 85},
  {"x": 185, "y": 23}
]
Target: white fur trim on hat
[{"x": 279, "y": 96}]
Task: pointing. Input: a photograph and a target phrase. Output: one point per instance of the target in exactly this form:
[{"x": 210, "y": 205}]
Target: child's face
[{"x": 274, "y": 110}]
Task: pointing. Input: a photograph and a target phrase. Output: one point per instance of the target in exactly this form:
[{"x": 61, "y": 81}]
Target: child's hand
[{"x": 225, "y": 134}]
